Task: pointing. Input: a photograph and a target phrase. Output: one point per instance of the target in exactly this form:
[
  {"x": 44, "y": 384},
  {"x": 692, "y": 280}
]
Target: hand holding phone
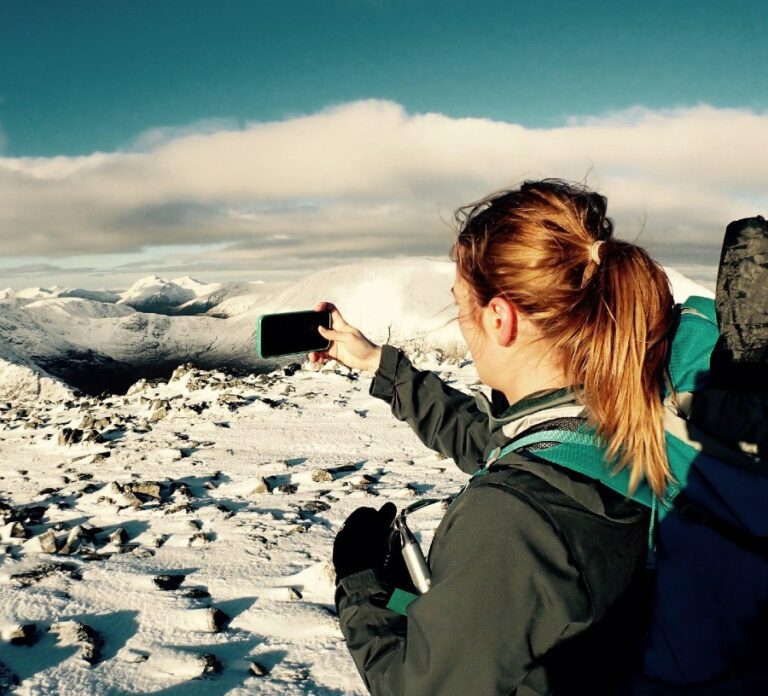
[{"x": 348, "y": 345}]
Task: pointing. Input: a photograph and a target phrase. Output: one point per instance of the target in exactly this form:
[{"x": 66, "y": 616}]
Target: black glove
[{"x": 363, "y": 542}]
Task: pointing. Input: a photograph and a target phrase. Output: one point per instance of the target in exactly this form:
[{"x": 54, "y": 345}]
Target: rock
[
  {"x": 217, "y": 619},
  {"x": 119, "y": 536},
  {"x": 70, "y": 436},
  {"x": 288, "y": 488},
  {"x": 321, "y": 475},
  {"x": 194, "y": 593},
  {"x": 210, "y": 664},
  {"x": 13, "y": 530},
  {"x": 142, "y": 552},
  {"x": 181, "y": 371},
  {"x": 120, "y": 491},
  {"x": 132, "y": 656},
  {"x": 258, "y": 670},
  {"x": 77, "y": 535},
  {"x": 262, "y": 486},
  {"x": 208, "y": 619},
  {"x": 78, "y": 633},
  {"x": 314, "y": 507},
  {"x": 28, "y": 577},
  {"x": 151, "y": 489},
  {"x": 159, "y": 414},
  {"x": 43, "y": 543},
  {"x": 181, "y": 507},
  {"x": 168, "y": 582},
  {"x": 181, "y": 490},
  {"x": 199, "y": 539},
  {"x": 25, "y": 634}
]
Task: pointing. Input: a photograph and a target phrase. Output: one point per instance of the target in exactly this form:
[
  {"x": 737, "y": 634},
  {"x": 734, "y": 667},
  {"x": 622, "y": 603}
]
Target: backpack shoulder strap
[{"x": 695, "y": 333}]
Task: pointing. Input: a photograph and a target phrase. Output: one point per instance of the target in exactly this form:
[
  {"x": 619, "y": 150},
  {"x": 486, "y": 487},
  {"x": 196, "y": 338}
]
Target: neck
[{"x": 526, "y": 376}]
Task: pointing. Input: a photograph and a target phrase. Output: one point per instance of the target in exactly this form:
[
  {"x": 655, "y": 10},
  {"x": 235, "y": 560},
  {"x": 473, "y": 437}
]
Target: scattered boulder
[
  {"x": 262, "y": 486},
  {"x": 13, "y": 530},
  {"x": 258, "y": 670},
  {"x": 321, "y": 475},
  {"x": 78, "y": 535},
  {"x": 168, "y": 582},
  {"x": 151, "y": 489},
  {"x": 82, "y": 635},
  {"x": 118, "y": 537},
  {"x": 42, "y": 543},
  {"x": 159, "y": 413},
  {"x": 25, "y": 634},
  {"x": 210, "y": 664},
  {"x": 73, "y": 436},
  {"x": 208, "y": 619},
  {"x": 313, "y": 507},
  {"x": 199, "y": 539}
]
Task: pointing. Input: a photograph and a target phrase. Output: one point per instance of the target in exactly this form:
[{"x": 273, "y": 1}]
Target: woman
[{"x": 534, "y": 567}]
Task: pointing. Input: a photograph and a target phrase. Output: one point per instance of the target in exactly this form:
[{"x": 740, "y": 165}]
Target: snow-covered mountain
[
  {"x": 155, "y": 294},
  {"x": 95, "y": 345},
  {"x": 208, "y": 301}
]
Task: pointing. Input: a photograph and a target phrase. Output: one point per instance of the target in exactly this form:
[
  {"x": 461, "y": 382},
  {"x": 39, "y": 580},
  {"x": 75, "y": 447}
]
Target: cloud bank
[{"x": 369, "y": 179}]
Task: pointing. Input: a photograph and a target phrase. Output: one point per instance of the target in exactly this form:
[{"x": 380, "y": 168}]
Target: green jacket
[{"x": 535, "y": 568}]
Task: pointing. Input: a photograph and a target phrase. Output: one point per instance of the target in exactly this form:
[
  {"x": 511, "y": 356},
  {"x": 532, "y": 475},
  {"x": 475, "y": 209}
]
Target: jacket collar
[{"x": 501, "y": 413}]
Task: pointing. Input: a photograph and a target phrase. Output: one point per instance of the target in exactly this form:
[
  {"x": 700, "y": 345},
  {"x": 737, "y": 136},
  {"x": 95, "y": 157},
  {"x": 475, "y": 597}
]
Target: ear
[{"x": 505, "y": 319}]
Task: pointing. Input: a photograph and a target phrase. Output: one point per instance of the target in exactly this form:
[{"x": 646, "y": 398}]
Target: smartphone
[{"x": 288, "y": 333}]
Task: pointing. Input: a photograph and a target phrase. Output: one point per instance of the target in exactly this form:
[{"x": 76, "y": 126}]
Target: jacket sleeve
[
  {"x": 504, "y": 591},
  {"x": 445, "y": 419}
]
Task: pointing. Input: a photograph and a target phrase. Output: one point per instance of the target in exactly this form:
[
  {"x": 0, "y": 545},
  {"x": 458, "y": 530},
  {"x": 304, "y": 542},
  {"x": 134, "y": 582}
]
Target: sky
[{"x": 243, "y": 140}]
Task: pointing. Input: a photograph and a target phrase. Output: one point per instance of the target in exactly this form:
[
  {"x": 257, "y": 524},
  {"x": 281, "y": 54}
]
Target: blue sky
[
  {"x": 165, "y": 83},
  {"x": 82, "y": 76}
]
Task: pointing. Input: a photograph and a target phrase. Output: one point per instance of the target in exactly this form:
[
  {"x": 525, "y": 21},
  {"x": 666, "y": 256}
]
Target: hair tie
[{"x": 594, "y": 251}]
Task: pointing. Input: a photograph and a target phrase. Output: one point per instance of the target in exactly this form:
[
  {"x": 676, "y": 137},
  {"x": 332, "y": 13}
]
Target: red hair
[{"x": 608, "y": 321}]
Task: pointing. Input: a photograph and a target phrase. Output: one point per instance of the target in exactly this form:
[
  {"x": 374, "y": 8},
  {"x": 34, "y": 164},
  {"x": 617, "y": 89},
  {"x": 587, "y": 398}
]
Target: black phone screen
[{"x": 291, "y": 332}]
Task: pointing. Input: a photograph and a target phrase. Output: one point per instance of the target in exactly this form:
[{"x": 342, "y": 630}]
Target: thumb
[{"x": 329, "y": 333}]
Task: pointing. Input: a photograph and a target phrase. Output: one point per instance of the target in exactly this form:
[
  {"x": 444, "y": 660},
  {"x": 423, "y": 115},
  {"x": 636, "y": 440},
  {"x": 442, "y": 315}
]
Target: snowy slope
[
  {"x": 187, "y": 526},
  {"x": 204, "y": 302},
  {"x": 22, "y": 381}
]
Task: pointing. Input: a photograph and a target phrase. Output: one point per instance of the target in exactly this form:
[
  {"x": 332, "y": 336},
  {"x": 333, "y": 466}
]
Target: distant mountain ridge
[{"x": 106, "y": 339}]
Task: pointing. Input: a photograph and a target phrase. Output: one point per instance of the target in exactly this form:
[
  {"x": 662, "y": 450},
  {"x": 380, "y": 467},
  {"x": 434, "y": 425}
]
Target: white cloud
[{"x": 369, "y": 178}]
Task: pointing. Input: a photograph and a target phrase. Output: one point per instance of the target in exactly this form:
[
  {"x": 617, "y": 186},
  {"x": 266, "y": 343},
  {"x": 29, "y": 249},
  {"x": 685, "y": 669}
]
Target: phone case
[{"x": 258, "y": 343}]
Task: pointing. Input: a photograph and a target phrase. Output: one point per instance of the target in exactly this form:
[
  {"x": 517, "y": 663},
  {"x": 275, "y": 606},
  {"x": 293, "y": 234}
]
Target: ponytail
[{"x": 603, "y": 304}]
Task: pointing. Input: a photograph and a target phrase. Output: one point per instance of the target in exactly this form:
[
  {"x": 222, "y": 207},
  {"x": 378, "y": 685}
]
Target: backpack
[{"x": 708, "y": 541}]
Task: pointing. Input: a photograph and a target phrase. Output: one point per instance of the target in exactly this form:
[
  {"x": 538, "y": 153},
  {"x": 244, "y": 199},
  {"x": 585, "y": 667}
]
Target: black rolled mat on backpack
[{"x": 740, "y": 358}]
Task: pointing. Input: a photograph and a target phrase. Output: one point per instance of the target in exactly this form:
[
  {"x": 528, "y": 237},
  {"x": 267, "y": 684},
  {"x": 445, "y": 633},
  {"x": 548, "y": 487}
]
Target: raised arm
[{"x": 445, "y": 419}]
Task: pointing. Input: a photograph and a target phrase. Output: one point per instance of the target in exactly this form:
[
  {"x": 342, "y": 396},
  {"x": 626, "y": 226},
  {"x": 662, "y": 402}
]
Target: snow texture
[{"x": 179, "y": 536}]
